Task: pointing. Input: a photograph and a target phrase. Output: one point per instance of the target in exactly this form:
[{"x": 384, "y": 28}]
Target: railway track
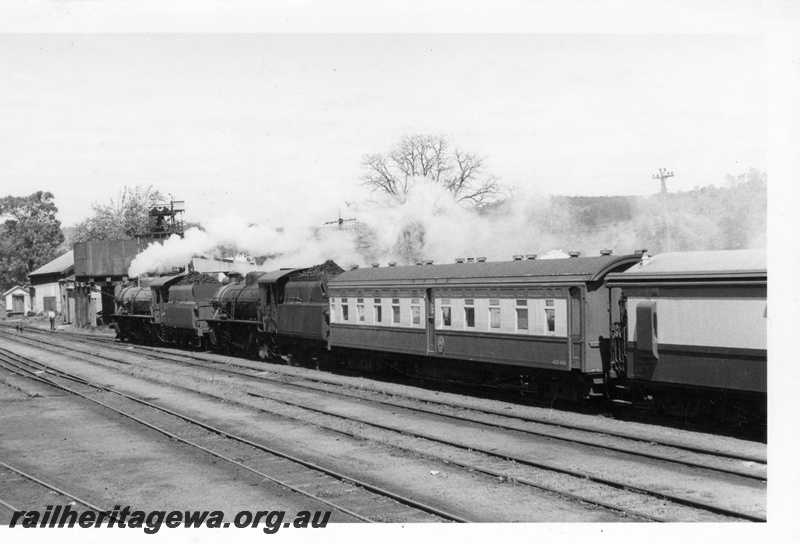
[
  {"x": 622, "y": 486},
  {"x": 756, "y": 471},
  {"x": 746, "y": 466},
  {"x": 23, "y": 491},
  {"x": 358, "y": 500}
]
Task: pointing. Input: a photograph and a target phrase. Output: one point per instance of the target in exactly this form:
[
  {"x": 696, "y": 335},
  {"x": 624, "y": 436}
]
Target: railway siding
[
  {"x": 490, "y": 500},
  {"x": 231, "y": 386}
]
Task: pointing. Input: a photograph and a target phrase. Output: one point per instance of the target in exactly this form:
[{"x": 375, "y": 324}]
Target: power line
[{"x": 663, "y": 175}]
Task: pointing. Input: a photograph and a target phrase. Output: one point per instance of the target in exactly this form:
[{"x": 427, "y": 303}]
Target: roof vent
[
  {"x": 517, "y": 257},
  {"x": 460, "y": 260},
  {"x": 531, "y": 256},
  {"x": 605, "y": 252},
  {"x": 640, "y": 252},
  {"x": 481, "y": 259},
  {"x": 392, "y": 264},
  {"x": 470, "y": 259},
  {"x": 419, "y": 263},
  {"x": 428, "y": 262},
  {"x": 354, "y": 267},
  {"x": 375, "y": 265},
  {"x": 574, "y": 253}
]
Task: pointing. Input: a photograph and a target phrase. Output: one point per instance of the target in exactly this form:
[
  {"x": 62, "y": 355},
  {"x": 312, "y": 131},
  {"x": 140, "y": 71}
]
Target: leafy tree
[
  {"x": 462, "y": 173},
  {"x": 745, "y": 221},
  {"x": 119, "y": 219},
  {"x": 30, "y": 237}
]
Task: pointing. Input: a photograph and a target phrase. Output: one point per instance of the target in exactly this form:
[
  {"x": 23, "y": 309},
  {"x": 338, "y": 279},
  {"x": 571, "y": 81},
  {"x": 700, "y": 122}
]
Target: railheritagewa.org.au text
[{"x": 269, "y": 521}]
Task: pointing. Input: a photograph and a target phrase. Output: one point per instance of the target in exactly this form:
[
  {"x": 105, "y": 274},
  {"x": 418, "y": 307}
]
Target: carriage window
[
  {"x": 446, "y": 316},
  {"x": 395, "y": 310},
  {"x": 551, "y": 315},
  {"x": 469, "y": 312},
  {"x": 415, "y": 311},
  {"x": 522, "y": 315},
  {"x": 494, "y": 313},
  {"x": 647, "y": 329},
  {"x": 378, "y": 311}
]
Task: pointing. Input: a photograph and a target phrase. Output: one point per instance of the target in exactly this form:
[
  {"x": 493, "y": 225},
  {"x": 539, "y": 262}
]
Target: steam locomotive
[{"x": 668, "y": 329}]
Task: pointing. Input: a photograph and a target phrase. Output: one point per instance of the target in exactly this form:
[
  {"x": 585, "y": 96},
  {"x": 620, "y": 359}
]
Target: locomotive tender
[{"x": 623, "y": 327}]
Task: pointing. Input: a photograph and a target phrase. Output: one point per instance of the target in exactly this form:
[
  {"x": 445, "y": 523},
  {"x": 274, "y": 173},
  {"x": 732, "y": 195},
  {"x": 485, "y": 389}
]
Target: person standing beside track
[{"x": 52, "y": 315}]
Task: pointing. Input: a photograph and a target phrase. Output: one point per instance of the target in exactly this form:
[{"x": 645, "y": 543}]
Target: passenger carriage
[
  {"x": 694, "y": 321},
  {"x": 537, "y": 324}
]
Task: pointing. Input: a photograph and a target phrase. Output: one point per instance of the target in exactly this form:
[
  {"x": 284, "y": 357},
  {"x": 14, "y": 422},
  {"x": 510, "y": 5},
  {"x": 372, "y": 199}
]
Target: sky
[{"x": 274, "y": 127}]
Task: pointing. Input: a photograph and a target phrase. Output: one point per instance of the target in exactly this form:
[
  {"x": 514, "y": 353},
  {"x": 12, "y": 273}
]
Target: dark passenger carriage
[{"x": 525, "y": 318}]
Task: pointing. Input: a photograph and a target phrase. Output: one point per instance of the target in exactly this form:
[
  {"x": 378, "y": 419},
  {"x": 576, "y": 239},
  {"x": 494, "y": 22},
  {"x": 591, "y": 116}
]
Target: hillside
[{"x": 733, "y": 216}]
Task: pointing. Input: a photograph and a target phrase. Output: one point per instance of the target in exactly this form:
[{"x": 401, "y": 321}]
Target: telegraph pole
[
  {"x": 663, "y": 175},
  {"x": 340, "y": 221}
]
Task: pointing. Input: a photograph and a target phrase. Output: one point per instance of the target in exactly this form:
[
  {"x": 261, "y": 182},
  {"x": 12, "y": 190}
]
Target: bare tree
[{"x": 422, "y": 155}]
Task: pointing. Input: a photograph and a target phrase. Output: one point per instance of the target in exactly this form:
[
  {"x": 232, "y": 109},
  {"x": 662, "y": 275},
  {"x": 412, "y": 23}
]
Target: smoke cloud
[{"x": 428, "y": 224}]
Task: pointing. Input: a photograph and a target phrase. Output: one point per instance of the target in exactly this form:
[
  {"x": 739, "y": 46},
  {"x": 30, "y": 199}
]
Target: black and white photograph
[{"x": 292, "y": 269}]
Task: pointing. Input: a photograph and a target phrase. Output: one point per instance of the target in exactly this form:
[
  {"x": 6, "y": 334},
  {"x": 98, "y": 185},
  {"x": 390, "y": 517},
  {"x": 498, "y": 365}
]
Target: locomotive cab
[{"x": 160, "y": 294}]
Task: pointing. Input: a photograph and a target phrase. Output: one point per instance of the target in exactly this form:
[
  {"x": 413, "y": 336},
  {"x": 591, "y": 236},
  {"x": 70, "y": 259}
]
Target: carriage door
[
  {"x": 430, "y": 321},
  {"x": 575, "y": 329}
]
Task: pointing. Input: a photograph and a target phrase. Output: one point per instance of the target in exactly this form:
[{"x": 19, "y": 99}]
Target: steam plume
[{"x": 429, "y": 225}]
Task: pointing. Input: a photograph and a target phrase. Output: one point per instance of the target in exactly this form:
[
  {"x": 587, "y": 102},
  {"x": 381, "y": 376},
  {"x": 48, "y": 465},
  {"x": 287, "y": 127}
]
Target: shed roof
[
  {"x": 544, "y": 270},
  {"x": 59, "y": 265},
  {"x": 724, "y": 263}
]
